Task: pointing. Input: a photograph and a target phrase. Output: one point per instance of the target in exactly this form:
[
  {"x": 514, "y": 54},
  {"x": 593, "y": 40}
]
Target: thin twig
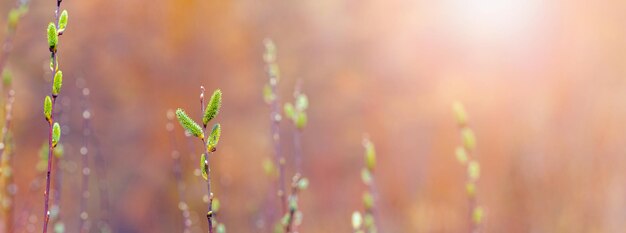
[
  {"x": 53, "y": 55},
  {"x": 275, "y": 117},
  {"x": 210, "y": 216},
  {"x": 290, "y": 226}
]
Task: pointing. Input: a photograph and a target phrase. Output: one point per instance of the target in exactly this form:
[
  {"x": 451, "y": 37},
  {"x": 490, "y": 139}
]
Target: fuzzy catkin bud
[
  {"x": 370, "y": 155},
  {"x": 214, "y": 138},
  {"x": 47, "y": 108},
  {"x": 204, "y": 166},
  {"x": 473, "y": 170},
  {"x": 53, "y": 37},
  {"x": 7, "y": 78},
  {"x": 459, "y": 113},
  {"x": 56, "y": 134},
  {"x": 188, "y": 124},
  {"x": 57, "y": 83},
  {"x": 213, "y": 107},
  {"x": 63, "y": 20},
  {"x": 302, "y": 102}
]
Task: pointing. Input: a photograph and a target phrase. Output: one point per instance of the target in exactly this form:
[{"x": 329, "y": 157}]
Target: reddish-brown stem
[
  {"x": 46, "y": 193},
  {"x": 50, "y": 124},
  {"x": 373, "y": 210},
  {"x": 210, "y": 215},
  {"x": 290, "y": 226},
  {"x": 275, "y": 131}
]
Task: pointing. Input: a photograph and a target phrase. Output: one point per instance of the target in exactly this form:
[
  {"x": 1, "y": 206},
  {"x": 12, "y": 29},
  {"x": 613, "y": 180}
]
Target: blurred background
[{"x": 543, "y": 82}]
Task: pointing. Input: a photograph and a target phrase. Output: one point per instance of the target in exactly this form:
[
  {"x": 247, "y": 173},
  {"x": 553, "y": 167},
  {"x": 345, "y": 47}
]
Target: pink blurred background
[{"x": 544, "y": 84}]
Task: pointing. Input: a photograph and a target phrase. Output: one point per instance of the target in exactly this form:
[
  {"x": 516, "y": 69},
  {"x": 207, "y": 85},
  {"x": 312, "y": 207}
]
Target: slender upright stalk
[
  {"x": 54, "y": 30},
  {"x": 272, "y": 98},
  {"x": 209, "y": 215},
  {"x": 370, "y": 197},
  {"x": 296, "y": 112},
  {"x": 297, "y": 133},
  {"x": 465, "y": 155},
  {"x": 177, "y": 168},
  {"x": 209, "y": 142}
]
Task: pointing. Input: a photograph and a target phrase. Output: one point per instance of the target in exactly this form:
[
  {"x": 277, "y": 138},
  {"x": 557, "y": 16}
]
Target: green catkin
[
  {"x": 214, "y": 138},
  {"x": 63, "y": 20},
  {"x": 189, "y": 125},
  {"x": 53, "y": 37},
  {"x": 56, "y": 134},
  {"x": 203, "y": 166},
  {"x": 57, "y": 83},
  {"x": 213, "y": 107},
  {"x": 47, "y": 108}
]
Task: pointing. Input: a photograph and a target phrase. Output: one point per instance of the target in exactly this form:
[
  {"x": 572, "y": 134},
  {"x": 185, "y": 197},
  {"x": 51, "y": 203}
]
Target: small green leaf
[
  {"x": 477, "y": 215},
  {"x": 63, "y": 20},
  {"x": 214, "y": 138},
  {"x": 285, "y": 219},
  {"x": 58, "y": 150},
  {"x": 53, "y": 37},
  {"x": 188, "y": 124},
  {"x": 268, "y": 95},
  {"x": 303, "y": 183},
  {"x": 7, "y": 78},
  {"x": 370, "y": 155},
  {"x": 368, "y": 200},
  {"x": 204, "y": 166},
  {"x": 469, "y": 140},
  {"x": 47, "y": 108},
  {"x": 302, "y": 102},
  {"x": 56, "y": 133},
  {"x": 293, "y": 202},
  {"x": 220, "y": 228},
  {"x": 301, "y": 120},
  {"x": 213, "y": 107},
  {"x": 269, "y": 168},
  {"x": 366, "y": 176},
  {"x": 368, "y": 221},
  {"x": 473, "y": 170},
  {"x": 459, "y": 113},
  {"x": 14, "y": 17},
  {"x": 470, "y": 188},
  {"x": 215, "y": 205},
  {"x": 289, "y": 111},
  {"x": 57, "y": 83},
  {"x": 297, "y": 218},
  {"x": 59, "y": 227},
  {"x": 461, "y": 155},
  {"x": 270, "y": 51},
  {"x": 357, "y": 220}
]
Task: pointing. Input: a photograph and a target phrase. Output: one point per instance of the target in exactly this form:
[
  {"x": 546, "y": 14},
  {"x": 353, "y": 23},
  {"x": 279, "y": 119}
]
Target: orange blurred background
[{"x": 544, "y": 84}]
